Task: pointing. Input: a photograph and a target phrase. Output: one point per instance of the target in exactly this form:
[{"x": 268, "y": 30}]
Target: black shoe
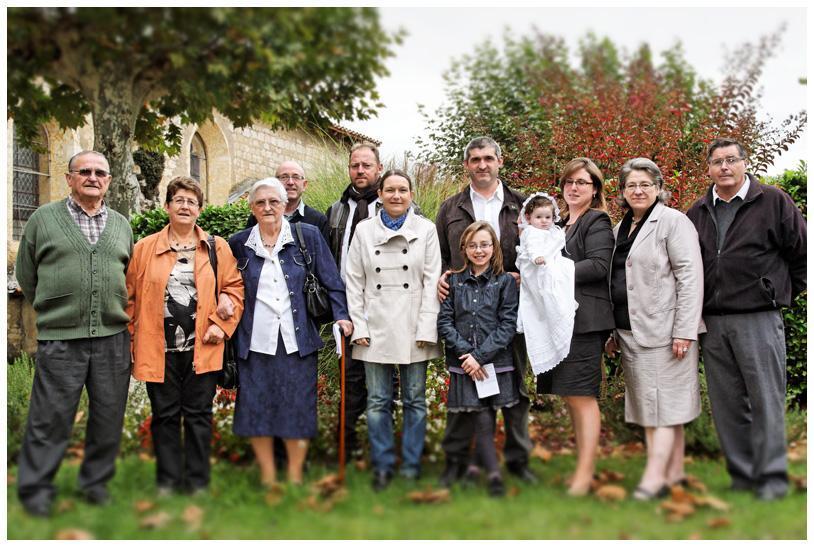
[
  {"x": 769, "y": 494},
  {"x": 381, "y": 479},
  {"x": 98, "y": 496},
  {"x": 452, "y": 474},
  {"x": 524, "y": 474},
  {"x": 38, "y": 509},
  {"x": 496, "y": 488}
]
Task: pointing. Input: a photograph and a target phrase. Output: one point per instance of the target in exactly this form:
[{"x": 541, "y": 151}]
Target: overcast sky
[{"x": 438, "y": 35}]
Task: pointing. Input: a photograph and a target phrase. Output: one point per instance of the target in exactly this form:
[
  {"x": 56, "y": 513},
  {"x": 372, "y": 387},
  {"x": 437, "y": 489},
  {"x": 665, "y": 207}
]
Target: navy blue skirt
[{"x": 277, "y": 396}]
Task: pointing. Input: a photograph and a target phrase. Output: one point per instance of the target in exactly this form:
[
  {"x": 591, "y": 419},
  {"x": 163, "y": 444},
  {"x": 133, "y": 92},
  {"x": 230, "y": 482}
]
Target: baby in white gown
[{"x": 547, "y": 305}]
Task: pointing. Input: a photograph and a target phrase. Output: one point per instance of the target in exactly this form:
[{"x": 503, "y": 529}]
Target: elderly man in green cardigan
[{"x": 70, "y": 266}]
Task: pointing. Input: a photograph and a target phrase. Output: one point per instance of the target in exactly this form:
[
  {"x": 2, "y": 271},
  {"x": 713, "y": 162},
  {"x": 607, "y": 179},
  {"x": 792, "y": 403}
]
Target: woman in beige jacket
[
  {"x": 394, "y": 262},
  {"x": 657, "y": 290}
]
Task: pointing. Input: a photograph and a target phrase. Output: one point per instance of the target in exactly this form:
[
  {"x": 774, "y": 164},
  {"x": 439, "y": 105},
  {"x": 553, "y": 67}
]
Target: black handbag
[
  {"x": 316, "y": 296},
  {"x": 227, "y": 376}
]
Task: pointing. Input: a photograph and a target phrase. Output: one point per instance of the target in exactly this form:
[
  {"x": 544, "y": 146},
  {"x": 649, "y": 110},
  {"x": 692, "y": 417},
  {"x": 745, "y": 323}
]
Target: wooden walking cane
[{"x": 342, "y": 413}]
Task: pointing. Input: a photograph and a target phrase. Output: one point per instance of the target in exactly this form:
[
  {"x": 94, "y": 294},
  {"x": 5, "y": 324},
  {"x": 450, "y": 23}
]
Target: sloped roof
[{"x": 355, "y": 135}]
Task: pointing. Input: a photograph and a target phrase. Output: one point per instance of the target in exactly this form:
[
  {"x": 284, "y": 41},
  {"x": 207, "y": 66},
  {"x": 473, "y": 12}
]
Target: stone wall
[{"x": 233, "y": 157}]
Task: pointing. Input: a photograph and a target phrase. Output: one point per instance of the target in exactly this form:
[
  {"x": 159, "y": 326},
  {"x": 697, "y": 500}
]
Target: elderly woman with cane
[{"x": 277, "y": 340}]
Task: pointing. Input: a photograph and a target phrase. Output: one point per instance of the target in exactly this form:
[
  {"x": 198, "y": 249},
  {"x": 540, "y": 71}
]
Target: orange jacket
[{"x": 147, "y": 276}]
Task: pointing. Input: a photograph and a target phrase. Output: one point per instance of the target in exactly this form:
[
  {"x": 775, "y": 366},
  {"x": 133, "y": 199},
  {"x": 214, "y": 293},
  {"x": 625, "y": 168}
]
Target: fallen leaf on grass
[
  {"x": 378, "y": 510},
  {"x": 709, "y": 501},
  {"x": 799, "y": 482},
  {"x": 11, "y": 478},
  {"x": 611, "y": 476},
  {"x": 193, "y": 516},
  {"x": 610, "y": 492},
  {"x": 429, "y": 496},
  {"x": 361, "y": 465},
  {"x": 677, "y": 509},
  {"x": 679, "y": 495},
  {"x": 144, "y": 456},
  {"x": 64, "y": 506},
  {"x": 695, "y": 536},
  {"x": 719, "y": 522},
  {"x": 156, "y": 520},
  {"x": 327, "y": 485},
  {"x": 797, "y": 451},
  {"x": 314, "y": 503},
  {"x": 142, "y": 506},
  {"x": 73, "y": 533},
  {"x": 275, "y": 494},
  {"x": 694, "y": 483},
  {"x": 540, "y": 452},
  {"x": 79, "y": 416},
  {"x": 512, "y": 492}
]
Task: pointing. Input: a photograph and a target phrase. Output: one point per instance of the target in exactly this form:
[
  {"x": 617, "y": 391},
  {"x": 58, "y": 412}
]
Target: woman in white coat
[
  {"x": 394, "y": 262},
  {"x": 657, "y": 292}
]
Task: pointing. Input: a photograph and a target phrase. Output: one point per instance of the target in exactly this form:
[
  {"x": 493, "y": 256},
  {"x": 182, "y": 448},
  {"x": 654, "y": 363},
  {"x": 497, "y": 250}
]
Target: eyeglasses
[
  {"x": 644, "y": 186},
  {"x": 189, "y": 202},
  {"x": 263, "y": 203},
  {"x": 365, "y": 166},
  {"x": 100, "y": 173},
  {"x": 578, "y": 182},
  {"x": 286, "y": 178},
  {"x": 725, "y": 161},
  {"x": 476, "y": 246}
]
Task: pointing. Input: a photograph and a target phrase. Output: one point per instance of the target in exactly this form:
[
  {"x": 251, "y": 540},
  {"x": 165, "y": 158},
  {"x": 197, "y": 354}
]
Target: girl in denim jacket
[{"x": 477, "y": 322}]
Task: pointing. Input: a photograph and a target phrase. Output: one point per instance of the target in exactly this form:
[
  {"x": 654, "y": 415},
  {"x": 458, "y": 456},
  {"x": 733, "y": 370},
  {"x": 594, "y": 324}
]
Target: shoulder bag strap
[
  {"x": 213, "y": 260},
  {"x": 303, "y": 248}
]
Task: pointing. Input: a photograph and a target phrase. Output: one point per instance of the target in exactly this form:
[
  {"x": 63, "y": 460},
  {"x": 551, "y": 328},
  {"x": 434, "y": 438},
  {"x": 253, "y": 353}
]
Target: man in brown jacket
[{"x": 486, "y": 198}]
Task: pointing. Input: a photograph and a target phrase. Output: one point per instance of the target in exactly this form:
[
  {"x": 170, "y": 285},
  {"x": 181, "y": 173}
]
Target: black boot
[{"x": 453, "y": 471}]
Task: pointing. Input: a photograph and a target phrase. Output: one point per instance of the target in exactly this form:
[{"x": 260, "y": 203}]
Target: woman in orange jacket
[{"x": 178, "y": 331}]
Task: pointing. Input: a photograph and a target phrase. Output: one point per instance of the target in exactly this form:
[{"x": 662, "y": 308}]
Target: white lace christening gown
[{"x": 547, "y": 305}]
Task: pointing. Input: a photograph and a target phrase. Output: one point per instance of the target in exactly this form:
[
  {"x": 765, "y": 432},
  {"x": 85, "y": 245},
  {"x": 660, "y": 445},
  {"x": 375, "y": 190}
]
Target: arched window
[
  {"x": 197, "y": 163},
  {"x": 30, "y": 172}
]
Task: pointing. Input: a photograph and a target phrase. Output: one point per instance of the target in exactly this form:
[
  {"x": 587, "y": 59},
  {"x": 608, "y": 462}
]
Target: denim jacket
[
  {"x": 294, "y": 270},
  {"x": 479, "y": 317}
]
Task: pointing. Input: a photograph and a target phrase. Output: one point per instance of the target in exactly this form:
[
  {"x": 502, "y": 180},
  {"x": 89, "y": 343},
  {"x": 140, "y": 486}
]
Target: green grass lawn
[{"x": 237, "y": 509}]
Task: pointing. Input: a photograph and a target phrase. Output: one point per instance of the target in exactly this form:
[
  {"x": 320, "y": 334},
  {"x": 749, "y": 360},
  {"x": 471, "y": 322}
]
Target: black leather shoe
[
  {"x": 452, "y": 474},
  {"x": 496, "y": 488},
  {"x": 381, "y": 479},
  {"x": 38, "y": 509},
  {"x": 524, "y": 474},
  {"x": 98, "y": 496}
]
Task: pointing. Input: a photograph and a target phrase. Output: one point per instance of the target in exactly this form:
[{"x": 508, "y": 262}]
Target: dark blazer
[
  {"x": 294, "y": 269},
  {"x": 311, "y": 216},
  {"x": 589, "y": 243}
]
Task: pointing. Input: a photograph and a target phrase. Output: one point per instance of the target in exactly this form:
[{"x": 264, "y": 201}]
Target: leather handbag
[
  {"x": 316, "y": 296},
  {"x": 227, "y": 376}
]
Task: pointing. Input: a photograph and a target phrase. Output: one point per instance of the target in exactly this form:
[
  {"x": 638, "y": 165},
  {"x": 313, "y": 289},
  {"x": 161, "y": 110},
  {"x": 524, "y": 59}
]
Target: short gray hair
[
  {"x": 481, "y": 142},
  {"x": 86, "y": 153},
  {"x": 652, "y": 170},
  {"x": 270, "y": 182}
]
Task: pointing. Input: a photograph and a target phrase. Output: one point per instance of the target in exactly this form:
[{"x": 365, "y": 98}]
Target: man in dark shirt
[{"x": 753, "y": 245}]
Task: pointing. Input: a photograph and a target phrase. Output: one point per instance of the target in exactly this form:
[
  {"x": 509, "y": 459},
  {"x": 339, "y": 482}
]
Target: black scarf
[{"x": 362, "y": 199}]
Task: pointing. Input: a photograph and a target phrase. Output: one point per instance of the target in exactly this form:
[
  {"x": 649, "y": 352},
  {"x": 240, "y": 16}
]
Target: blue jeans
[{"x": 413, "y": 380}]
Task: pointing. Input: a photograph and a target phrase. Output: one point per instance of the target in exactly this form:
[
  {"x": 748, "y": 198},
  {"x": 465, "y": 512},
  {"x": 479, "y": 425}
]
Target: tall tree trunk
[{"x": 114, "y": 122}]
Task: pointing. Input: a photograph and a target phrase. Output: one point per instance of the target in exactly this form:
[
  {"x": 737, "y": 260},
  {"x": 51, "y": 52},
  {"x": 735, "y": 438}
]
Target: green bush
[
  {"x": 219, "y": 220},
  {"x": 20, "y": 378},
  {"x": 794, "y": 317}
]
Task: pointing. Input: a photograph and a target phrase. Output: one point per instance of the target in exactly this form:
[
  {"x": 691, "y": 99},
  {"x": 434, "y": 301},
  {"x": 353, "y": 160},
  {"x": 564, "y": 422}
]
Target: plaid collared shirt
[{"x": 91, "y": 226}]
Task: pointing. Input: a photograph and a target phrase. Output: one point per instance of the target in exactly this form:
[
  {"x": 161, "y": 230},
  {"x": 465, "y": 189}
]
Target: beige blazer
[
  {"x": 665, "y": 279},
  {"x": 391, "y": 282}
]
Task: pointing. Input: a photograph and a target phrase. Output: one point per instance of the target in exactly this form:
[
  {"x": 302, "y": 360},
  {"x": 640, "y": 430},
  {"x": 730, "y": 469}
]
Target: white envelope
[{"x": 488, "y": 387}]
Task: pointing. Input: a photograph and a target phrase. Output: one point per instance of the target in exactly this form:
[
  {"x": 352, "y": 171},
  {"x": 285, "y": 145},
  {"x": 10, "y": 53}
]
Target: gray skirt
[{"x": 660, "y": 390}]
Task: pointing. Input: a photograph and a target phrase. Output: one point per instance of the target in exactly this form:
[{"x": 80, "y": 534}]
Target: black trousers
[
  {"x": 64, "y": 367},
  {"x": 182, "y": 462},
  {"x": 460, "y": 429},
  {"x": 355, "y": 399}
]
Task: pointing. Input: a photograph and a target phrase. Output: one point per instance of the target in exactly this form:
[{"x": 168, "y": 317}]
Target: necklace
[{"x": 178, "y": 245}]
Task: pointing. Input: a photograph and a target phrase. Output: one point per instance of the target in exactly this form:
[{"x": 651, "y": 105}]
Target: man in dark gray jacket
[
  {"x": 489, "y": 199},
  {"x": 753, "y": 244}
]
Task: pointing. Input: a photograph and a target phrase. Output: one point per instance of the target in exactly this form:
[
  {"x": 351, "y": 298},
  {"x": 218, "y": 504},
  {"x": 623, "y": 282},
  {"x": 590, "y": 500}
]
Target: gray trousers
[
  {"x": 745, "y": 366},
  {"x": 63, "y": 368}
]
